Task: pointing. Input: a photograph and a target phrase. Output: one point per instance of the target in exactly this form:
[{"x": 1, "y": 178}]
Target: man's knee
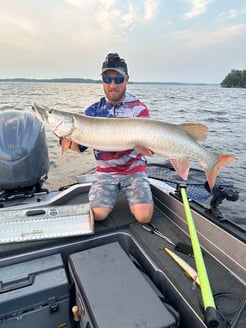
[
  {"x": 142, "y": 212},
  {"x": 101, "y": 213}
]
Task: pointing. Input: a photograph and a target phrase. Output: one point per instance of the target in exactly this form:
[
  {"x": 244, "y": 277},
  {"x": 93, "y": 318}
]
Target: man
[{"x": 123, "y": 170}]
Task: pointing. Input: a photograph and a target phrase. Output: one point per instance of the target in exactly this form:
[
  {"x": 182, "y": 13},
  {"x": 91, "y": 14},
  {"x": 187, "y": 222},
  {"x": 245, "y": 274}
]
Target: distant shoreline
[{"x": 80, "y": 80}]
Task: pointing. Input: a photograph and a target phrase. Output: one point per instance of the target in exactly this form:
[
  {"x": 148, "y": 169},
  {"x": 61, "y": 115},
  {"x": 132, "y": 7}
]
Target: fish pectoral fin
[
  {"x": 181, "y": 166},
  {"x": 144, "y": 150},
  {"x": 197, "y": 131},
  {"x": 65, "y": 144}
]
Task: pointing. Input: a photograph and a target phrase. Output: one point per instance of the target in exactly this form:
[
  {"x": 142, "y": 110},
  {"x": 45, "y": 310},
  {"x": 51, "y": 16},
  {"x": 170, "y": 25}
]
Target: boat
[{"x": 60, "y": 268}]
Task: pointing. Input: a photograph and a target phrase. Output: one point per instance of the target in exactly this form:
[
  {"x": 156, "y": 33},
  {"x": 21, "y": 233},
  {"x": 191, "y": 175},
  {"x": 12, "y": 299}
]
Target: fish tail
[{"x": 212, "y": 173}]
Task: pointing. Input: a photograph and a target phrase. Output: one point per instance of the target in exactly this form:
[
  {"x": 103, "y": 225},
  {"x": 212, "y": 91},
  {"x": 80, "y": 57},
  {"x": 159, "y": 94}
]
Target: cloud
[
  {"x": 150, "y": 10},
  {"x": 18, "y": 32},
  {"x": 230, "y": 14},
  {"x": 121, "y": 14},
  {"x": 125, "y": 15},
  {"x": 72, "y": 24},
  {"x": 55, "y": 35},
  {"x": 16, "y": 22},
  {"x": 82, "y": 4},
  {"x": 105, "y": 21},
  {"x": 194, "y": 40},
  {"x": 206, "y": 39},
  {"x": 198, "y": 7},
  {"x": 68, "y": 37}
]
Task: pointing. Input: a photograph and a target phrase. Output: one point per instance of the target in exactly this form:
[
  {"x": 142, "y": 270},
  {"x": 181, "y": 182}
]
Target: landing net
[{"x": 196, "y": 184}]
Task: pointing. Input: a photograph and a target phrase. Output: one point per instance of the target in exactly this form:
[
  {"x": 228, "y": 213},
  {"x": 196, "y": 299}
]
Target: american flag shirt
[{"x": 119, "y": 162}]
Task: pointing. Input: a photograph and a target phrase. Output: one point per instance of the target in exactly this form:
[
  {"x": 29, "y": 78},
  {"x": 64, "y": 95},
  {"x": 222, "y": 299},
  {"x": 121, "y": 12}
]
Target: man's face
[{"x": 114, "y": 92}]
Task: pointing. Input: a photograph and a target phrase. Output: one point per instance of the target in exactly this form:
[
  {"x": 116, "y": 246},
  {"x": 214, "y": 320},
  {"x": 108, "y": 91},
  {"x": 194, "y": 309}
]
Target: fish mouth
[{"x": 41, "y": 113}]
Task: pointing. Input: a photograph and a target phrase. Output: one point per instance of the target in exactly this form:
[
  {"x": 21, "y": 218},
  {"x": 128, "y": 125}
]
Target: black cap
[{"x": 115, "y": 63}]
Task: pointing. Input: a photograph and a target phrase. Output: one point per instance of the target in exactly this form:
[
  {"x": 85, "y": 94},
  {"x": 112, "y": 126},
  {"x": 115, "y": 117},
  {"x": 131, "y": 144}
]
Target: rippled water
[{"x": 222, "y": 110}]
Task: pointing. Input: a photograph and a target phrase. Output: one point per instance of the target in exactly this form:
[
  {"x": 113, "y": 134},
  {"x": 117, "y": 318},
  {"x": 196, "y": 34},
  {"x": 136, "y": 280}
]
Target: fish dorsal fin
[{"x": 197, "y": 131}]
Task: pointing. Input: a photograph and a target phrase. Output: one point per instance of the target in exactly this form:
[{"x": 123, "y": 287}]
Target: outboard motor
[{"x": 24, "y": 160}]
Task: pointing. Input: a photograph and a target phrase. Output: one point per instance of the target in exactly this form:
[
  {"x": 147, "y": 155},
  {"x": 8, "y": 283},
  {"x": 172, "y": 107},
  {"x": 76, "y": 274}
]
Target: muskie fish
[{"x": 176, "y": 142}]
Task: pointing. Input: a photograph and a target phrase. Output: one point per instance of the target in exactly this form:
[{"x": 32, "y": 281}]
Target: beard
[{"x": 115, "y": 94}]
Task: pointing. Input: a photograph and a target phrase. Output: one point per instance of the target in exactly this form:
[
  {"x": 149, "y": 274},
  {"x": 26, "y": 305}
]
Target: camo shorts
[{"x": 105, "y": 190}]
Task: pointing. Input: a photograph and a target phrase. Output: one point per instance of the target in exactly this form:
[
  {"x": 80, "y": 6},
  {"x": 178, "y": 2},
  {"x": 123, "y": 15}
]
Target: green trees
[{"x": 235, "y": 79}]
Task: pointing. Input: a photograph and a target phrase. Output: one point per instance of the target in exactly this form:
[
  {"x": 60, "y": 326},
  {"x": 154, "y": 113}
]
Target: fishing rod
[{"x": 212, "y": 317}]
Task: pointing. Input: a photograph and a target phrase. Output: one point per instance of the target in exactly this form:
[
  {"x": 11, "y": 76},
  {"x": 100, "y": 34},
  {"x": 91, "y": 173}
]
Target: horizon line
[{"x": 89, "y": 80}]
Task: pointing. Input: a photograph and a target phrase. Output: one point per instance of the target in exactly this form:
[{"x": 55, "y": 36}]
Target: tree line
[{"x": 235, "y": 79}]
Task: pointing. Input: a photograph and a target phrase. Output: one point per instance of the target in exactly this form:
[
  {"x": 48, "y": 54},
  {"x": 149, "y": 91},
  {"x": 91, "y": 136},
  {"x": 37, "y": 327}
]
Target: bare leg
[
  {"x": 142, "y": 212},
  {"x": 101, "y": 213}
]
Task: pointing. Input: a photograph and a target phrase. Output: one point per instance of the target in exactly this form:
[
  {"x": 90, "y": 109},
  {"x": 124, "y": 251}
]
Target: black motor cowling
[{"x": 24, "y": 160}]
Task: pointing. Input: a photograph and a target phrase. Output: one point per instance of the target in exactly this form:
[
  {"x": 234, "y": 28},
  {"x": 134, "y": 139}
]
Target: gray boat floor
[{"x": 221, "y": 280}]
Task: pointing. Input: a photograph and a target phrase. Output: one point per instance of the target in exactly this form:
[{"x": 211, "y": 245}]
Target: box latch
[{"x": 52, "y": 304}]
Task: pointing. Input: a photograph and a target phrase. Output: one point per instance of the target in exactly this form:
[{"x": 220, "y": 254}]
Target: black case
[
  {"x": 35, "y": 294},
  {"x": 112, "y": 292}
]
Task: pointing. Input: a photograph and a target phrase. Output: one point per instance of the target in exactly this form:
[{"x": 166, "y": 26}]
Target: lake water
[{"x": 222, "y": 110}]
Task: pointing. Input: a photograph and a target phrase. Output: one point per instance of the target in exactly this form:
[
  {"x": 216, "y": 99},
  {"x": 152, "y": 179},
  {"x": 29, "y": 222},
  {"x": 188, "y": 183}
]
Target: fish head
[
  {"x": 61, "y": 123},
  {"x": 41, "y": 112}
]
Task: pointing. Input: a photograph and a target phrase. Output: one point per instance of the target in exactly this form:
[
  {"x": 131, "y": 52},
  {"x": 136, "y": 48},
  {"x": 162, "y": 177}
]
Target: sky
[{"x": 191, "y": 41}]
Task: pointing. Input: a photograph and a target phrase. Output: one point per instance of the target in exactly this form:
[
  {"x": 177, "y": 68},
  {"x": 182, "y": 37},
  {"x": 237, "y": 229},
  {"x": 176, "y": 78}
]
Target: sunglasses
[{"x": 117, "y": 79}]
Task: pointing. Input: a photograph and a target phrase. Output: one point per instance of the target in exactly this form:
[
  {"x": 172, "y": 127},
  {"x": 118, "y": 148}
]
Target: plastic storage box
[
  {"x": 35, "y": 294},
  {"x": 112, "y": 292}
]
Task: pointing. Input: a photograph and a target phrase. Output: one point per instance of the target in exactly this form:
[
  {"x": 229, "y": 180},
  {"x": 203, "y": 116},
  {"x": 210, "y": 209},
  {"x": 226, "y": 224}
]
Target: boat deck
[{"x": 148, "y": 249}]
